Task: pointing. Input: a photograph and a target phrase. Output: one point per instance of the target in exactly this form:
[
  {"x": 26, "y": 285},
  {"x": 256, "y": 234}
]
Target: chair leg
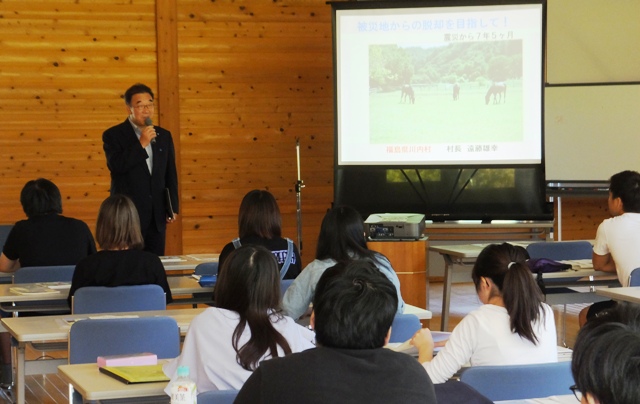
[{"x": 564, "y": 326}]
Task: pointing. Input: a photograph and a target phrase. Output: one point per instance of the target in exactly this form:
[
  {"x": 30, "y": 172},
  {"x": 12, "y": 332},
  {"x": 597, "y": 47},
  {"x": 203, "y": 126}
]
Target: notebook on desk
[{"x": 136, "y": 374}]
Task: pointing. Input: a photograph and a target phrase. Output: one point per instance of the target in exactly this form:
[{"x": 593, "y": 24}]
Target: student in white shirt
[
  {"x": 226, "y": 343},
  {"x": 512, "y": 327}
]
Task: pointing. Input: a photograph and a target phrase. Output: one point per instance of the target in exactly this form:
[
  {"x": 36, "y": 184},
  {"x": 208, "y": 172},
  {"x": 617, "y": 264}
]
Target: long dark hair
[
  {"x": 259, "y": 215},
  {"x": 249, "y": 284},
  {"x": 506, "y": 266},
  {"x": 342, "y": 236}
]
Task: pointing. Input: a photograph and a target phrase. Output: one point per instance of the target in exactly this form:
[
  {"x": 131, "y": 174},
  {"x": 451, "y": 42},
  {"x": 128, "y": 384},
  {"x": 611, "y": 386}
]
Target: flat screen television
[{"x": 439, "y": 108}]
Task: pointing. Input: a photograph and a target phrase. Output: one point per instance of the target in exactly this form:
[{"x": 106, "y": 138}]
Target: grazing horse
[
  {"x": 497, "y": 90},
  {"x": 407, "y": 94},
  {"x": 456, "y": 91}
]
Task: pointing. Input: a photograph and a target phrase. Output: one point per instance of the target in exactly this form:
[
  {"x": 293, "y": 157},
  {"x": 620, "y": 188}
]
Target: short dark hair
[
  {"x": 259, "y": 215},
  {"x": 118, "y": 224},
  {"x": 626, "y": 186},
  {"x": 249, "y": 284},
  {"x": 137, "y": 88},
  {"x": 354, "y": 305},
  {"x": 606, "y": 356},
  {"x": 40, "y": 197}
]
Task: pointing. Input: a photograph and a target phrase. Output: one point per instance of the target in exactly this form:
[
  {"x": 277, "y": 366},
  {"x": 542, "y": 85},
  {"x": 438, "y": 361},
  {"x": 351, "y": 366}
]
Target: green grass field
[{"x": 436, "y": 118}]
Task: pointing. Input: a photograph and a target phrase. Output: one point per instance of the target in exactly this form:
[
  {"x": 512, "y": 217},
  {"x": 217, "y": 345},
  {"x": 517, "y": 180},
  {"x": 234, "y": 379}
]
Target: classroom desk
[
  {"x": 26, "y": 330},
  {"x": 87, "y": 380},
  {"x": 464, "y": 256},
  {"x": 629, "y": 294},
  {"x": 186, "y": 262}
]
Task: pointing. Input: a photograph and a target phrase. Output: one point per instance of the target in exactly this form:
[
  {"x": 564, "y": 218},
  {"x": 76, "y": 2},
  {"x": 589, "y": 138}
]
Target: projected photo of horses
[{"x": 446, "y": 92}]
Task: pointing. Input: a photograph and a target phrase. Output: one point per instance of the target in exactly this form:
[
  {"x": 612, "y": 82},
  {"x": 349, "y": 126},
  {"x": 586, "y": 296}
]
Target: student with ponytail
[{"x": 513, "y": 326}]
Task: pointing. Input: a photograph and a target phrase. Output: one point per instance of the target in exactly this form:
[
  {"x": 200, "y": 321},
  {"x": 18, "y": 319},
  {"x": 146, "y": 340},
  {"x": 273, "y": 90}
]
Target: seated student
[
  {"x": 513, "y": 326},
  {"x": 606, "y": 358},
  {"x": 46, "y": 238},
  {"x": 341, "y": 239},
  {"x": 353, "y": 308},
  {"x": 617, "y": 245},
  {"x": 260, "y": 223},
  {"x": 121, "y": 261},
  {"x": 227, "y": 342}
]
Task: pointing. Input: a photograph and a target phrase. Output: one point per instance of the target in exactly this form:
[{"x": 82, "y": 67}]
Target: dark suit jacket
[{"x": 127, "y": 161}]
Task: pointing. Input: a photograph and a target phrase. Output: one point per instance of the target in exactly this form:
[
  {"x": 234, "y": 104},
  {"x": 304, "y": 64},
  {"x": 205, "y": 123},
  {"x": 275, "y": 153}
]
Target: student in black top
[
  {"x": 46, "y": 238},
  {"x": 606, "y": 357},
  {"x": 260, "y": 223},
  {"x": 354, "y": 307},
  {"x": 122, "y": 260}
]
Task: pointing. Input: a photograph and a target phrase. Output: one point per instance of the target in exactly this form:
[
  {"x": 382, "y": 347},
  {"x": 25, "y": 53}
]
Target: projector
[{"x": 395, "y": 225}]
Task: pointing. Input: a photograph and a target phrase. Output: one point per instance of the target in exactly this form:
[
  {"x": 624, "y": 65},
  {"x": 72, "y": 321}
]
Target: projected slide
[{"x": 439, "y": 86}]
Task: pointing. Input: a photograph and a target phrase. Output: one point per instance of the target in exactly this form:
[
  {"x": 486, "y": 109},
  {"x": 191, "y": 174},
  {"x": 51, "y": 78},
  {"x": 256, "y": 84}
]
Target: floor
[{"x": 50, "y": 389}]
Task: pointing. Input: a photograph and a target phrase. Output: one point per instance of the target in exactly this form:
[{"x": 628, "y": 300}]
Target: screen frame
[{"x": 398, "y": 6}]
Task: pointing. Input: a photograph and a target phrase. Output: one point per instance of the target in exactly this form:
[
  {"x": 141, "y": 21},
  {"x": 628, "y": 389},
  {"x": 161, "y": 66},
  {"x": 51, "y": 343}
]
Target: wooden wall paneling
[
  {"x": 581, "y": 216},
  {"x": 254, "y": 76},
  {"x": 63, "y": 68},
  {"x": 168, "y": 97}
]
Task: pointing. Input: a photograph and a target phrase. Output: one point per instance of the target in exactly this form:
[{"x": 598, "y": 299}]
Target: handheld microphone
[{"x": 149, "y": 122}]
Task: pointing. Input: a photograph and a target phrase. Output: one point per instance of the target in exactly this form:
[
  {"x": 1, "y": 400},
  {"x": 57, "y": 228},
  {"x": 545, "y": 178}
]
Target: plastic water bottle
[{"x": 183, "y": 389}]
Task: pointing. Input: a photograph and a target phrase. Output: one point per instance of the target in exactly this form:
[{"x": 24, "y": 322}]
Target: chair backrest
[
  {"x": 561, "y": 250},
  {"x": 634, "y": 278},
  {"x": 206, "y": 268},
  {"x": 91, "y": 338},
  {"x": 403, "y": 327},
  {"x": 217, "y": 397},
  {"x": 518, "y": 382},
  {"x": 284, "y": 285},
  {"x": 5, "y": 229},
  {"x": 54, "y": 273},
  {"x": 103, "y": 299}
]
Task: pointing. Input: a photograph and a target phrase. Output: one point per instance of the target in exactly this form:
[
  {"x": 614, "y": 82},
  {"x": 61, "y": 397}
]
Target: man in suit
[{"x": 141, "y": 159}]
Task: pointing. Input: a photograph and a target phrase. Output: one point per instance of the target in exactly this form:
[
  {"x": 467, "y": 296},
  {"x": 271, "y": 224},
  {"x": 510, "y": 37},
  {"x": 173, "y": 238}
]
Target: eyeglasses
[
  {"x": 576, "y": 392},
  {"x": 144, "y": 107}
]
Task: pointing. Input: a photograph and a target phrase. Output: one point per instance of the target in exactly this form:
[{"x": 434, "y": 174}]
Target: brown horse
[
  {"x": 499, "y": 92},
  {"x": 456, "y": 91},
  {"x": 407, "y": 94}
]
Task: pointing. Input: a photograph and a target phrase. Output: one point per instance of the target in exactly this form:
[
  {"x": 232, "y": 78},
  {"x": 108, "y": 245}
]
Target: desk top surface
[
  {"x": 186, "y": 262},
  {"x": 625, "y": 294},
  {"x": 180, "y": 285},
  {"x": 47, "y": 328},
  {"x": 93, "y": 385}
]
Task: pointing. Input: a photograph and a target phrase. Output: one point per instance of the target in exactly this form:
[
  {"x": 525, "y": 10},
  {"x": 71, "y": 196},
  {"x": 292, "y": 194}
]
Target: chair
[
  {"x": 561, "y": 250},
  {"x": 284, "y": 285},
  {"x": 217, "y": 397},
  {"x": 634, "y": 278},
  {"x": 5, "y": 229},
  {"x": 206, "y": 268},
  {"x": 103, "y": 299},
  {"x": 54, "y": 273},
  {"x": 91, "y": 338},
  {"x": 518, "y": 382},
  {"x": 403, "y": 327}
]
